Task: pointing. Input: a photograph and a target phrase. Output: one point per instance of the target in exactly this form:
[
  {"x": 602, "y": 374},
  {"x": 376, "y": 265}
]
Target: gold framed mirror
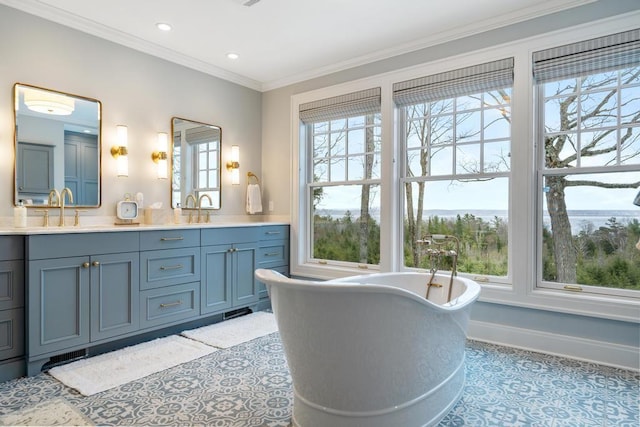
[
  {"x": 58, "y": 139},
  {"x": 195, "y": 164}
]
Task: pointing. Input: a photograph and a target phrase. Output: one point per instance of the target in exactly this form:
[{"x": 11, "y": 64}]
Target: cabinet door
[
  {"x": 35, "y": 168},
  {"x": 216, "y": 279},
  {"x": 245, "y": 286},
  {"x": 58, "y": 304},
  {"x": 115, "y": 295}
]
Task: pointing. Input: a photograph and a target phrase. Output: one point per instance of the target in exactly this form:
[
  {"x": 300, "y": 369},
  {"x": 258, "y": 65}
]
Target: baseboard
[{"x": 604, "y": 353}]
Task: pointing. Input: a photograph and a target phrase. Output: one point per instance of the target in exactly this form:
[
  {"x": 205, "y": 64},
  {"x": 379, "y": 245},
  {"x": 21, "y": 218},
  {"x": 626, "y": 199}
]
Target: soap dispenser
[{"x": 20, "y": 215}]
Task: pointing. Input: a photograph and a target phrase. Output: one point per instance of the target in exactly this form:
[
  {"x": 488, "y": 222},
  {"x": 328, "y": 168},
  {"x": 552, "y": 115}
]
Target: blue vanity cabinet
[
  {"x": 11, "y": 307},
  {"x": 82, "y": 288},
  {"x": 273, "y": 252},
  {"x": 228, "y": 263}
]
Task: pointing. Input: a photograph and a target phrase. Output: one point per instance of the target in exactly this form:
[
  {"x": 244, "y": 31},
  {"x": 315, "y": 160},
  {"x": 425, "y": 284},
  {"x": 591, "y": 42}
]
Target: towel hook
[{"x": 252, "y": 175}]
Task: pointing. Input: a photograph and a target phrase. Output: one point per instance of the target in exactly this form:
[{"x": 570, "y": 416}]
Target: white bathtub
[{"x": 371, "y": 351}]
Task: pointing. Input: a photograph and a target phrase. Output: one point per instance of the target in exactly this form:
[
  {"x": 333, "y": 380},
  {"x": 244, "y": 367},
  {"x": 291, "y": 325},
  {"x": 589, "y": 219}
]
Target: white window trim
[{"x": 523, "y": 291}]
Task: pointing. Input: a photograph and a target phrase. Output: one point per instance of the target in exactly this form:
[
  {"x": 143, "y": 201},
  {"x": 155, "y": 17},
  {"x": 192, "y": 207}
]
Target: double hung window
[
  {"x": 588, "y": 151},
  {"x": 342, "y": 139},
  {"x": 455, "y": 132}
]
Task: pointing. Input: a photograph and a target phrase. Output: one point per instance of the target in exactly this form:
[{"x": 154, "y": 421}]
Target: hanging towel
[{"x": 254, "y": 199}]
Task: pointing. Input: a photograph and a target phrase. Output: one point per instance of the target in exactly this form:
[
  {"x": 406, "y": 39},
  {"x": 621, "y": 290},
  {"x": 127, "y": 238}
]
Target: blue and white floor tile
[{"x": 249, "y": 385}]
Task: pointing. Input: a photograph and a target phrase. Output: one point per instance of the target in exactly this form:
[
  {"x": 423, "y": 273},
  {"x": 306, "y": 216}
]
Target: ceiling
[{"x": 280, "y": 42}]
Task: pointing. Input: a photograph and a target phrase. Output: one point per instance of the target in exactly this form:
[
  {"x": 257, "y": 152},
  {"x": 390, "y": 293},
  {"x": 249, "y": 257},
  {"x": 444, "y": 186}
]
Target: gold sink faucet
[
  {"x": 54, "y": 197},
  {"x": 65, "y": 192},
  {"x": 190, "y": 197},
  {"x": 200, "y": 203}
]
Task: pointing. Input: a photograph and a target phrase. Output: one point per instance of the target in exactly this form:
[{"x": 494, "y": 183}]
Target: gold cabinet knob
[
  {"x": 85, "y": 265},
  {"x": 96, "y": 263}
]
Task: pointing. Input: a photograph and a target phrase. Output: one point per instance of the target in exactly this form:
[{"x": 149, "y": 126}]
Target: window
[
  {"x": 588, "y": 98},
  {"x": 204, "y": 143},
  {"x": 456, "y": 139},
  {"x": 343, "y": 179}
]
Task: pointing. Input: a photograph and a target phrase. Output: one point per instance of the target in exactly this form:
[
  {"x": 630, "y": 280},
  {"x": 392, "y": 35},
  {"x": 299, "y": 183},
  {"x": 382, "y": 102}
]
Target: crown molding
[{"x": 54, "y": 14}]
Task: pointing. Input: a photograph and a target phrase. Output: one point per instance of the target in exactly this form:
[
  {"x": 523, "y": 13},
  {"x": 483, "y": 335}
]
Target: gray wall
[
  {"x": 137, "y": 90},
  {"x": 276, "y": 110}
]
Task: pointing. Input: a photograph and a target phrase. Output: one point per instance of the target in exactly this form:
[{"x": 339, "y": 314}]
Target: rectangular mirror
[
  {"x": 57, "y": 145},
  {"x": 195, "y": 163}
]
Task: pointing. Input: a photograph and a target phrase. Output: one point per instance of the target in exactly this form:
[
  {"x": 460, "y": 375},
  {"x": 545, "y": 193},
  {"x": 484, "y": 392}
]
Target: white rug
[
  {"x": 55, "y": 412},
  {"x": 109, "y": 370},
  {"x": 235, "y": 331}
]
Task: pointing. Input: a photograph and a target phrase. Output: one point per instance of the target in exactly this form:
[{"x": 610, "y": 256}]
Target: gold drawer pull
[
  {"x": 170, "y": 304},
  {"x": 272, "y": 254},
  {"x": 171, "y": 239},
  {"x": 171, "y": 267},
  {"x": 272, "y": 232},
  {"x": 85, "y": 265}
]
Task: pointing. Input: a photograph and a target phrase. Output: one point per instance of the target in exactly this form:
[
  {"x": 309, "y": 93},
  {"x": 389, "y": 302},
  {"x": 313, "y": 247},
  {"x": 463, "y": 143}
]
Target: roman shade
[
  {"x": 348, "y": 105},
  {"x": 601, "y": 54},
  {"x": 459, "y": 82}
]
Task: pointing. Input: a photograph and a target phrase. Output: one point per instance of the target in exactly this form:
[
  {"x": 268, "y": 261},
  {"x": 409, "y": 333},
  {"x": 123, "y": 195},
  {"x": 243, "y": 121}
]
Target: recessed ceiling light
[
  {"x": 163, "y": 26},
  {"x": 232, "y": 55}
]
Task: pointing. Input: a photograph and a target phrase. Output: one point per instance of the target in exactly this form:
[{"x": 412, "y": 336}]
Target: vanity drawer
[
  {"x": 11, "y": 284},
  {"x": 274, "y": 232},
  {"x": 169, "y": 267},
  {"x": 273, "y": 253},
  {"x": 11, "y": 247},
  {"x": 11, "y": 333},
  {"x": 229, "y": 235},
  {"x": 44, "y": 246},
  {"x": 169, "y": 239},
  {"x": 171, "y": 304}
]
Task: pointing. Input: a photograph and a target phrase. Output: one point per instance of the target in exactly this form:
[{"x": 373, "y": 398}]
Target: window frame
[
  {"x": 523, "y": 291},
  {"x": 542, "y": 171}
]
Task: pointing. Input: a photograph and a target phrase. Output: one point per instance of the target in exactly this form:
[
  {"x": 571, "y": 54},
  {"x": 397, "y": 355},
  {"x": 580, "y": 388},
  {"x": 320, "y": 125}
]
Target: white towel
[{"x": 254, "y": 199}]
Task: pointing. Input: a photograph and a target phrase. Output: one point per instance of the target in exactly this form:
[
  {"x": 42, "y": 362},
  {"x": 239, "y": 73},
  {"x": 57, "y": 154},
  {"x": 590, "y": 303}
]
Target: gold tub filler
[{"x": 438, "y": 247}]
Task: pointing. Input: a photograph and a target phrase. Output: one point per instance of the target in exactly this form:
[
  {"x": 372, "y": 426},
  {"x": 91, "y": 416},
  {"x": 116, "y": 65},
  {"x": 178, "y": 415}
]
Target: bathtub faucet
[{"x": 436, "y": 253}]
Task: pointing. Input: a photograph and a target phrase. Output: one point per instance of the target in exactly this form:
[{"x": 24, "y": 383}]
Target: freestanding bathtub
[{"x": 370, "y": 350}]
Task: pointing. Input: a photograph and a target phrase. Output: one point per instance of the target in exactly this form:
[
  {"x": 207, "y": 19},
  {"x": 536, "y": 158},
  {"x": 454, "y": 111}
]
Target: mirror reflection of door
[{"x": 81, "y": 171}]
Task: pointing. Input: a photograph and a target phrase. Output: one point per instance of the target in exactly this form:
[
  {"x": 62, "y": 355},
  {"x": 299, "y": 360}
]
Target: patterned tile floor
[{"x": 249, "y": 385}]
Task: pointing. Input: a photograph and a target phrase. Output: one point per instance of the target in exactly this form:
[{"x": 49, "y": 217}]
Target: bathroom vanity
[{"x": 65, "y": 293}]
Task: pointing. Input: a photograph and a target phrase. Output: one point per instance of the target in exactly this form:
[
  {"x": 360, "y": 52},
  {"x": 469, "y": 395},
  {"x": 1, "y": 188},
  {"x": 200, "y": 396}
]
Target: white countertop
[{"x": 93, "y": 224}]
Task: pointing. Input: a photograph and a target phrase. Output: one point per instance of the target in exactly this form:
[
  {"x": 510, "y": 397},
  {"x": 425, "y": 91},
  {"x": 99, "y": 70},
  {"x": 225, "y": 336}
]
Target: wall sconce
[
  {"x": 234, "y": 165},
  {"x": 160, "y": 157},
  {"x": 119, "y": 152}
]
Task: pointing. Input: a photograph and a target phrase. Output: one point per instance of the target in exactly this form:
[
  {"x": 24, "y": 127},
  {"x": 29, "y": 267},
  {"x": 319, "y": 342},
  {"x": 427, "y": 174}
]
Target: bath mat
[
  {"x": 235, "y": 331},
  {"x": 56, "y": 412},
  {"x": 109, "y": 370}
]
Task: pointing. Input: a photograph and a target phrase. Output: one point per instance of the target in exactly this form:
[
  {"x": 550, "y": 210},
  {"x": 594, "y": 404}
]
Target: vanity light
[
  {"x": 48, "y": 102},
  {"x": 234, "y": 164},
  {"x": 119, "y": 152},
  {"x": 160, "y": 156}
]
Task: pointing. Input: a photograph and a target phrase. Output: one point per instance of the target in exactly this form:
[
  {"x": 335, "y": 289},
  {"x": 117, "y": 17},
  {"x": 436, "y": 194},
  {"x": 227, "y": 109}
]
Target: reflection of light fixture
[
  {"x": 119, "y": 152},
  {"x": 163, "y": 26},
  {"x": 48, "y": 102},
  {"x": 234, "y": 165},
  {"x": 160, "y": 156}
]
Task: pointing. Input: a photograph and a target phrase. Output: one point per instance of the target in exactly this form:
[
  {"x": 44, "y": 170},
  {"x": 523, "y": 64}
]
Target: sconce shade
[
  {"x": 233, "y": 164},
  {"x": 160, "y": 156},
  {"x": 48, "y": 103},
  {"x": 120, "y": 151}
]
